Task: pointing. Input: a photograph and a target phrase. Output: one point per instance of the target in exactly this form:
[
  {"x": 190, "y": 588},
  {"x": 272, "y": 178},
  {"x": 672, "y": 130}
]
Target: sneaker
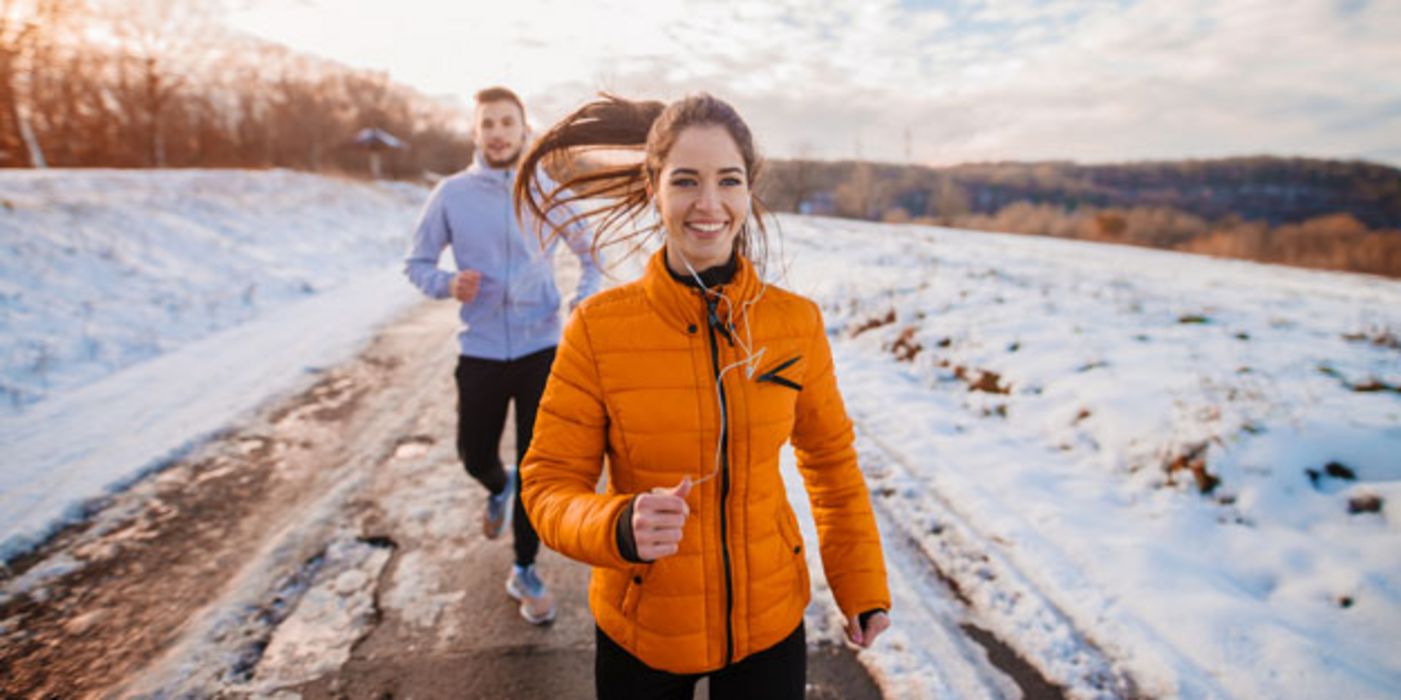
[
  {"x": 537, "y": 605},
  {"x": 498, "y": 508}
]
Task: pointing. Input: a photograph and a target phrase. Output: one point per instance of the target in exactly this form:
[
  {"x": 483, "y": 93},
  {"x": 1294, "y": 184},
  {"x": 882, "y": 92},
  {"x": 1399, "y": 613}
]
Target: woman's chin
[{"x": 707, "y": 253}]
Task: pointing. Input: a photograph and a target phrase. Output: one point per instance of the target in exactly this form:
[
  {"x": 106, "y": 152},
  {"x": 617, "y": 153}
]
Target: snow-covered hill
[
  {"x": 141, "y": 311},
  {"x": 106, "y": 268}
]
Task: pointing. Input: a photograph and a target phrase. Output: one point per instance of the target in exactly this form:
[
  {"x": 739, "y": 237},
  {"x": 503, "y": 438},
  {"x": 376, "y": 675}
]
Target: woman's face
[{"x": 703, "y": 196}]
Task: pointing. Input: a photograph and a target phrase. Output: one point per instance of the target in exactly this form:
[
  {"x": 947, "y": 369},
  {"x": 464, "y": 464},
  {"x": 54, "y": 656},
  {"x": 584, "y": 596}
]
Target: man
[{"x": 510, "y": 316}]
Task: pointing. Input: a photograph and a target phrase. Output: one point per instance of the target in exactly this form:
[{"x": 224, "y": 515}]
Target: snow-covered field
[
  {"x": 1193, "y": 463},
  {"x": 1150, "y": 474},
  {"x": 142, "y": 311},
  {"x": 105, "y": 269}
]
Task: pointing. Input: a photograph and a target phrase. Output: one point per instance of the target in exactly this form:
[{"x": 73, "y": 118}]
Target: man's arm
[
  {"x": 431, "y": 234},
  {"x": 579, "y": 237}
]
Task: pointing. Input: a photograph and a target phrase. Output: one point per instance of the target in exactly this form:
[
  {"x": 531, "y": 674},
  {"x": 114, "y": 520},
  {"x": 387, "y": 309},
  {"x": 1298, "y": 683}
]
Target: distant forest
[
  {"x": 159, "y": 83},
  {"x": 1297, "y": 211}
]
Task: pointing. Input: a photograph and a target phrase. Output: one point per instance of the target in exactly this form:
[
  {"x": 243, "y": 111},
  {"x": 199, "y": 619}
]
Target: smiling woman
[
  {"x": 687, "y": 382},
  {"x": 596, "y": 137}
]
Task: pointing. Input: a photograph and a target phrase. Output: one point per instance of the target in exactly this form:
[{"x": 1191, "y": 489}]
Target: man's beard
[{"x": 507, "y": 162}]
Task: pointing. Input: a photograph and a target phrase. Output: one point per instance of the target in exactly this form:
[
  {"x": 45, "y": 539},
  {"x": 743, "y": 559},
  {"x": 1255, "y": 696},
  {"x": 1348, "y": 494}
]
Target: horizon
[
  {"x": 1017, "y": 80},
  {"x": 1108, "y": 163}
]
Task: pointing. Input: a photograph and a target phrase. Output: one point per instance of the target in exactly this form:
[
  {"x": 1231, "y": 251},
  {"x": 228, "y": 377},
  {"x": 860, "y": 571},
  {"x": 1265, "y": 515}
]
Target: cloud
[{"x": 975, "y": 80}]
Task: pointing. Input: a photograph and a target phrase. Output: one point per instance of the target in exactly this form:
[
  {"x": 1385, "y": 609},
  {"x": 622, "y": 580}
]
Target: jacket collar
[
  {"x": 480, "y": 169},
  {"x": 682, "y": 306},
  {"x": 710, "y": 277}
]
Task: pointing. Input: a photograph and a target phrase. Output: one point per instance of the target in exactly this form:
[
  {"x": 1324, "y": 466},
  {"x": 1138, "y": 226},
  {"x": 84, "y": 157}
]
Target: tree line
[
  {"x": 160, "y": 83},
  {"x": 1323, "y": 214}
]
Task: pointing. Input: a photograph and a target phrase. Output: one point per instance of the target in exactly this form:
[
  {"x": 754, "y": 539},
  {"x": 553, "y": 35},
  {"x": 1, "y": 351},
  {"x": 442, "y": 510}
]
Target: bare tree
[
  {"x": 856, "y": 197},
  {"x": 26, "y": 27},
  {"x": 949, "y": 199},
  {"x": 63, "y": 101},
  {"x": 803, "y": 175},
  {"x": 166, "y": 40}
]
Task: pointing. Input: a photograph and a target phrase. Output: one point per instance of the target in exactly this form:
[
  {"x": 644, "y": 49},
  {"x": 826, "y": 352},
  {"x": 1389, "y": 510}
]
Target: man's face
[{"x": 499, "y": 131}]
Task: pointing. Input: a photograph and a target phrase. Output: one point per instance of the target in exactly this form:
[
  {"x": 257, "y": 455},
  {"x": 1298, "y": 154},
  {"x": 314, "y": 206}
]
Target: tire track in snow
[{"x": 1073, "y": 632}]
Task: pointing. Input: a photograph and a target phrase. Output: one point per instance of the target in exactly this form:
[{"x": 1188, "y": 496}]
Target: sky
[{"x": 929, "y": 81}]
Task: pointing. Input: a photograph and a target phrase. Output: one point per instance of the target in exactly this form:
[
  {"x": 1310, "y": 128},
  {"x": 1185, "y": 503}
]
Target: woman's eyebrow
[{"x": 693, "y": 171}]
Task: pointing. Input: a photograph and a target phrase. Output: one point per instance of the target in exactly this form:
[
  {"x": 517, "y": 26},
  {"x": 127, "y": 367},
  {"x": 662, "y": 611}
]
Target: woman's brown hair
[{"x": 613, "y": 124}]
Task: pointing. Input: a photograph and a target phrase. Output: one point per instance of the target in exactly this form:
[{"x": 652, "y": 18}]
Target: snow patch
[{"x": 332, "y": 616}]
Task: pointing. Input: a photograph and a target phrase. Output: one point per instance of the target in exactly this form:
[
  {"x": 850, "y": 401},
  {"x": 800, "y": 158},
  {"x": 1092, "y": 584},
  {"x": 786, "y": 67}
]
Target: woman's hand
[
  {"x": 876, "y": 624},
  {"x": 657, "y": 520}
]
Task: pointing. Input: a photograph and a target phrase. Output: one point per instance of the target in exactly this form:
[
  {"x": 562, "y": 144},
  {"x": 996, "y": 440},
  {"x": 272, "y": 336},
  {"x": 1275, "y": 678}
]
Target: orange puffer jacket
[{"x": 634, "y": 381}]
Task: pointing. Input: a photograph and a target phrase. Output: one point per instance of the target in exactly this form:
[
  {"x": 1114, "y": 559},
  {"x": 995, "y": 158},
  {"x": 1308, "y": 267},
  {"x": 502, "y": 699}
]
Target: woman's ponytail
[{"x": 577, "y": 151}]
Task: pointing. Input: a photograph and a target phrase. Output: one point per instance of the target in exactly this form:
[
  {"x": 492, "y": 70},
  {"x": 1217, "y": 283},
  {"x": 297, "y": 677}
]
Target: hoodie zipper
[
  {"x": 506, "y": 294},
  {"x": 712, "y": 321}
]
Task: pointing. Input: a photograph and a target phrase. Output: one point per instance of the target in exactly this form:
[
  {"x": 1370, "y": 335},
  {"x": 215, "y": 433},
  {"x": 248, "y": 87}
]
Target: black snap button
[
  {"x": 691, "y": 328},
  {"x": 637, "y": 579},
  {"x": 797, "y": 549}
]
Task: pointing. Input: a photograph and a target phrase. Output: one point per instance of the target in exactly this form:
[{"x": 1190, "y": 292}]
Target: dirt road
[{"x": 325, "y": 547}]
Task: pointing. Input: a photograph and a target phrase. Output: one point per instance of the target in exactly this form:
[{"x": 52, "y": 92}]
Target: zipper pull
[{"x": 715, "y": 322}]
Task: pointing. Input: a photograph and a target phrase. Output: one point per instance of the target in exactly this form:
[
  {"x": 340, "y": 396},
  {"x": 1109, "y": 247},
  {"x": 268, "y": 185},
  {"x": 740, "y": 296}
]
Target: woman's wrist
[{"x": 626, "y": 538}]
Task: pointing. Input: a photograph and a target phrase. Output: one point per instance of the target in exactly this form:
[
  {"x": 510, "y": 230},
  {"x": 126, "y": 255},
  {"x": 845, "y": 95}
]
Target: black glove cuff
[
  {"x": 627, "y": 541},
  {"x": 865, "y": 617}
]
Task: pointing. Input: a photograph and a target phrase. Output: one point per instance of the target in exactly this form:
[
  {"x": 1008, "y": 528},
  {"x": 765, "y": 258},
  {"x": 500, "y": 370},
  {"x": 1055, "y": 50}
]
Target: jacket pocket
[
  {"x": 632, "y": 597},
  {"x": 788, "y": 530},
  {"x": 793, "y": 540},
  {"x": 532, "y": 295},
  {"x": 632, "y": 590},
  {"x": 774, "y": 374}
]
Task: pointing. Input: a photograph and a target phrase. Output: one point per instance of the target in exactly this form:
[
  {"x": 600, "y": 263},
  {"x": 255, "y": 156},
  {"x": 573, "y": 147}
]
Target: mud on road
[{"x": 325, "y": 547}]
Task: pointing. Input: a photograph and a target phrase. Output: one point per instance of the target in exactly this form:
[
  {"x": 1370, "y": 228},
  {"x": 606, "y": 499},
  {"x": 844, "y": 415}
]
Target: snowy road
[{"x": 326, "y": 547}]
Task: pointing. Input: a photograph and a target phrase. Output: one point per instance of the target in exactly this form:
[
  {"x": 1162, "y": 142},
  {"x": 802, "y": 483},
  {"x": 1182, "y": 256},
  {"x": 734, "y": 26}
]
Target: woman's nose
[{"x": 709, "y": 199}]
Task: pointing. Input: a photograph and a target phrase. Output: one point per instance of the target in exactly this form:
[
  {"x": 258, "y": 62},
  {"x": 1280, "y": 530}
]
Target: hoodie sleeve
[
  {"x": 431, "y": 234},
  {"x": 841, "y": 505},
  {"x": 579, "y": 237},
  {"x": 562, "y": 467},
  {"x": 580, "y": 240}
]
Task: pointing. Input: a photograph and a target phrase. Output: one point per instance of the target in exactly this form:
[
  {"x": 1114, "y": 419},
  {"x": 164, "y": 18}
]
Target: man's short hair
[{"x": 499, "y": 94}]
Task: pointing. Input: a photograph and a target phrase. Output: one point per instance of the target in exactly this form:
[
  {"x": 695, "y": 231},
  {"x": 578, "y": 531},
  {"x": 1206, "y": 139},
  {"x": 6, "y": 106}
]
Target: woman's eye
[
  {"x": 683, "y": 182},
  {"x": 731, "y": 181}
]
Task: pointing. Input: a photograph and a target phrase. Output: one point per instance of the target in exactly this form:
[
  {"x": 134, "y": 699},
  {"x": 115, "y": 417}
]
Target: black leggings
[
  {"x": 778, "y": 672},
  {"x": 484, "y": 388}
]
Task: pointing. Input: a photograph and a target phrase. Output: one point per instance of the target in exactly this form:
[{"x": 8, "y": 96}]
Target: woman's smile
[{"x": 706, "y": 229}]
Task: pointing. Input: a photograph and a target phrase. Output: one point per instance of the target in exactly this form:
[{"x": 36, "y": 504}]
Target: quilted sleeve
[
  {"x": 841, "y": 505},
  {"x": 561, "y": 470}
]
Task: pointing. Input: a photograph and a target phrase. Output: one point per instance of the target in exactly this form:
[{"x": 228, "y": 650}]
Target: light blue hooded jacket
[{"x": 516, "y": 311}]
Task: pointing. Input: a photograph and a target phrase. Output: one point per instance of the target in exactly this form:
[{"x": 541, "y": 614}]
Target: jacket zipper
[
  {"x": 506, "y": 295},
  {"x": 711, "y": 321}
]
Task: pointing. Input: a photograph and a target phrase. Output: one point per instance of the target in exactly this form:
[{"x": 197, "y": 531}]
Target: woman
[{"x": 687, "y": 382}]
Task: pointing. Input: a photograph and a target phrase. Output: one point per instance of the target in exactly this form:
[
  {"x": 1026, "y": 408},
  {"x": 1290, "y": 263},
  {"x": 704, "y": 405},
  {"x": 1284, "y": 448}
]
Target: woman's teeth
[{"x": 707, "y": 228}]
